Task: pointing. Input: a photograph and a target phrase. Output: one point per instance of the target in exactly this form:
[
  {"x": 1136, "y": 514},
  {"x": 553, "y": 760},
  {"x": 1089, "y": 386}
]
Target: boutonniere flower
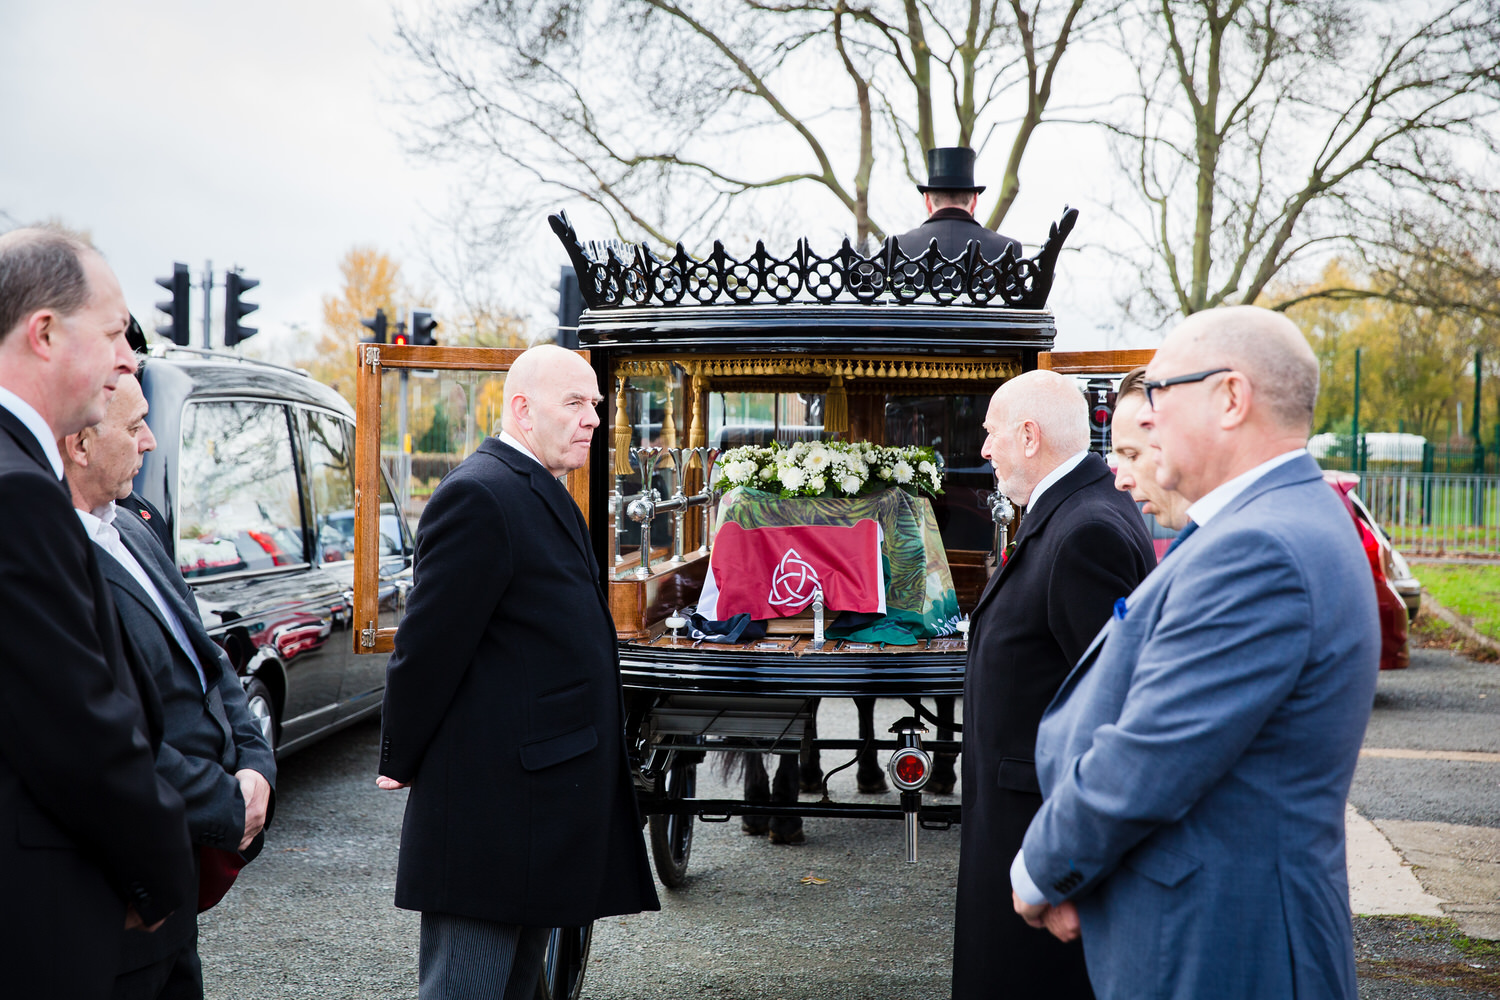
[
  {"x": 1121, "y": 609},
  {"x": 1005, "y": 556}
]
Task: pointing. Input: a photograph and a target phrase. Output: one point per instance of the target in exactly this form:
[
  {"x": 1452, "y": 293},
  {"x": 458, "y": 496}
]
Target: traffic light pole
[{"x": 208, "y": 303}]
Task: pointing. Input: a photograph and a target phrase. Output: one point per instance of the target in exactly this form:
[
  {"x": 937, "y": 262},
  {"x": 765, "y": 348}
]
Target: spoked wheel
[
  {"x": 672, "y": 834},
  {"x": 563, "y": 966}
]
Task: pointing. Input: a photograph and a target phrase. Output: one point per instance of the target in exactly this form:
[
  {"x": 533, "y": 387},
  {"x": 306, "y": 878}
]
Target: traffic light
[
  {"x": 177, "y": 306},
  {"x": 569, "y": 308},
  {"x": 399, "y": 338},
  {"x": 236, "y": 285},
  {"x": 1101, "y": 399},
  {"x": 377, "y": 328},
  {"x": 422, "y": 325}
]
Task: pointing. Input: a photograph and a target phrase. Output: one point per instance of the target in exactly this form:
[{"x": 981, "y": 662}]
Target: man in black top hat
[{"x": 951, "y": 197}]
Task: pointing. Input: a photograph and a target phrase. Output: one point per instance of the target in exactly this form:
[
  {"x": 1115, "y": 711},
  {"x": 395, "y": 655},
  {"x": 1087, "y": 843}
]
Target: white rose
[
  {"x": 928, "y": 468},
  {"x": 767, "y": 472},
  {"x": 884, "y": 472},
  {"x": 817, "y": 484}
]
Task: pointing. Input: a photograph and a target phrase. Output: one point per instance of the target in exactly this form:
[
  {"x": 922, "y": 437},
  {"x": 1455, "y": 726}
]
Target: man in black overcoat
[
  {"x": 212, "y": 751},
  {"x": 952, "y": 197},
  {"x": 1081, "y": 546},
  {"x": 503, "y": 707},
  {"x": 92, "y": 839}
]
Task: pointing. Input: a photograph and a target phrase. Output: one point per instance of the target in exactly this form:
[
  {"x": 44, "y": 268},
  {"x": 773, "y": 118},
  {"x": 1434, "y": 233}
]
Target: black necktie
[{"x": 1182, "y": 536}]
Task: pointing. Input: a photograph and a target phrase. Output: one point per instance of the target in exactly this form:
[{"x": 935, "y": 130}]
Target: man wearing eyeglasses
[{"x": 1196, "y": 763}]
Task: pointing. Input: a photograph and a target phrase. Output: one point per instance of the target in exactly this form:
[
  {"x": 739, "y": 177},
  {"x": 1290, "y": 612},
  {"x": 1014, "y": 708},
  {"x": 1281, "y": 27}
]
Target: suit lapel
[
  {"x": 122, "y": 579},
  {"x": 139, "y": 547},
  {"x": 548, "y": 489},
  {"x": 27, "y": 442}
]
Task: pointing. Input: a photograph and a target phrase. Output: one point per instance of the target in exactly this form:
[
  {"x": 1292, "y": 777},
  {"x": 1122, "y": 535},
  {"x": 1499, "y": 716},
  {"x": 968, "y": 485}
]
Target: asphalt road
[{"x": 313, "y": 917}]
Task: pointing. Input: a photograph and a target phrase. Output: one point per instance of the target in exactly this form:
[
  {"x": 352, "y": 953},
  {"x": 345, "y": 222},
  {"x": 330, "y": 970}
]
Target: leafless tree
[
  {"x": 682, "y": 119},
  {"x": 1265, "y": 133}
]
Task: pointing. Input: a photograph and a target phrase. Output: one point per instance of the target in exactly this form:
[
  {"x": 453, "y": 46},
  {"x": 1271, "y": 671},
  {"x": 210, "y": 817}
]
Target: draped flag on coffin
[
  {"x": 919, "y": 597},
  {"x": 773, "y": 572}
]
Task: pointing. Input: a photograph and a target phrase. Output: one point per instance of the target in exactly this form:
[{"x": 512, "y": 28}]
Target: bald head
[
  {"x": 1239, "y": 388},
  {"x": 1267, "y": 347},
  {"x": 1035, "y": 422},
  {"x": 1056, "y": 404},
  {"x": 551, "y": 400}
]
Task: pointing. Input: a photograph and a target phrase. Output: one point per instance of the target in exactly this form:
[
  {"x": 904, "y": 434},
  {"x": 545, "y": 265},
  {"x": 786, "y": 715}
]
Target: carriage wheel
[
  {"x": 672, "y": 834},
  {"x": 562, "y": 968}
]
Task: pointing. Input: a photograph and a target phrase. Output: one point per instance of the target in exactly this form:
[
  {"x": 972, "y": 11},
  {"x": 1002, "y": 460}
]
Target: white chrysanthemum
[
  {"x": 849, "y": 484},
  {"x": 793, "y": 478},
  {"x": 901, "y": 472}
]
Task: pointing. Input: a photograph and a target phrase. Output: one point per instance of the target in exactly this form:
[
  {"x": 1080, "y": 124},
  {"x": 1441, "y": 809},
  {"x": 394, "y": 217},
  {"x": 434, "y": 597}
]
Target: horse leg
[
  {"x": 786, "y": 829},
  {"x": 943, "y": 774},
  {"x": 810, "y": 775},
  {"x": 757, "y": 789},
  {"x": 868, "y": 775}
]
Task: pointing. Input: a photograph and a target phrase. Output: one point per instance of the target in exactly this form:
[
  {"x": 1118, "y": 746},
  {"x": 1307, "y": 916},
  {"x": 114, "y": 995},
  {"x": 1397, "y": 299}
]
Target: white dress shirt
[
  {"x": 99, "y": 525},
  {"x": 1201, "y": 512},
  {"x": 1066, "y": 466},
  {"x": 26, "y": 413}
]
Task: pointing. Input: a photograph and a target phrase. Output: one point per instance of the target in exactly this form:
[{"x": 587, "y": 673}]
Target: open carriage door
[
  {"x": 464, "y": 385},
  {"x": 1093, "y": 362}
]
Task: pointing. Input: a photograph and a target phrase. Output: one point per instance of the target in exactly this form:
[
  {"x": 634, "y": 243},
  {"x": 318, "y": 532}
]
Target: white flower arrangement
[{"x": 829, "y": 469}]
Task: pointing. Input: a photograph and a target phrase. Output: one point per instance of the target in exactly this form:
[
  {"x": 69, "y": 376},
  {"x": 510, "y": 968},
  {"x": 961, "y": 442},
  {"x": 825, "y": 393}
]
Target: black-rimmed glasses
[{"x": 1151, "y": 385}]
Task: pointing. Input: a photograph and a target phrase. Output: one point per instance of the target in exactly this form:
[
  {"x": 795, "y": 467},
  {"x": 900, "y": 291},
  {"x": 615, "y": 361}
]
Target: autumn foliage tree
[
  {"x": 372, "y": 280},
  {"x": 1416, "y": 360}
]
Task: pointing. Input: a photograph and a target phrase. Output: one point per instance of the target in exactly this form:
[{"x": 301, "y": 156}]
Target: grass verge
[
  {"x": 1470, "y": 591},
  {"x": 1431, "y": 632}
]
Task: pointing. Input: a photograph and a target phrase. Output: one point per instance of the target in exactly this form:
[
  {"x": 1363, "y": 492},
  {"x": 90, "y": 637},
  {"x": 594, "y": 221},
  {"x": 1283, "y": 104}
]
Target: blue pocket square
[{"x": 1121, "y": 609}]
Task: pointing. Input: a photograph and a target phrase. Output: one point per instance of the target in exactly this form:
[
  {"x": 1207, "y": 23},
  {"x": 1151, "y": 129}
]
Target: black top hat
[{"x": 950, "y": 168}]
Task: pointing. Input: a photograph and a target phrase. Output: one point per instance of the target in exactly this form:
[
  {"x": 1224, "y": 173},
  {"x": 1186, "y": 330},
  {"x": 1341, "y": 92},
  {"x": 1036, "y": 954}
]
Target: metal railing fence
[{"x": 1436, "y": 513}]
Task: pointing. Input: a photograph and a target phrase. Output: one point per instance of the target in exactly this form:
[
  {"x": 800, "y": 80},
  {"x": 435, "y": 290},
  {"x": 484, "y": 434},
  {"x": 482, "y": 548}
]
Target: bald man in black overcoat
[
  {"x": 503, "y": 708},
  {"x": 1081, "y": 546}
]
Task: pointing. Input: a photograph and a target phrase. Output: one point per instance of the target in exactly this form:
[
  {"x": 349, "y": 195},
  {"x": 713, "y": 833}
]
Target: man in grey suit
[
  {"x": 1196, "y": 763},
  {"x": 212, "y": 752}
]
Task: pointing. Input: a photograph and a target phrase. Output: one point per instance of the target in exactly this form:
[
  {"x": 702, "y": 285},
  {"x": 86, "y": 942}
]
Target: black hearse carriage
[{"x": 699, "y": 356}]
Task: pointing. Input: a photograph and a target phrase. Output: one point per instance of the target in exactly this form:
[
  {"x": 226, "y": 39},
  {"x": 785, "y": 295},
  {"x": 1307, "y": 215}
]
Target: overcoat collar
[
  {"x": 553, "y": 494},
  {"x": 119, "y": 576},
  {"x": 1086, "y": 473},
  {"x": 11, "y": 424}
]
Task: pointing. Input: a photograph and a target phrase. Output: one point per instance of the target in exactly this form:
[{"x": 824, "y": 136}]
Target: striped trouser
[{"x": 462, "y": 958}]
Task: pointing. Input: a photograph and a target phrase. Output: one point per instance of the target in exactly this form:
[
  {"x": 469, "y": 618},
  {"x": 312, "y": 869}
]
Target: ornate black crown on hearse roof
[{"x": 616, "y": 275}]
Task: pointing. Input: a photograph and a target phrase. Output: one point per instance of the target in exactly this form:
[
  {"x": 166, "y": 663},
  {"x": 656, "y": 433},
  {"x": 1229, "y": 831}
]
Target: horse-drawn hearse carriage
[{"x": 724, "y": 380}]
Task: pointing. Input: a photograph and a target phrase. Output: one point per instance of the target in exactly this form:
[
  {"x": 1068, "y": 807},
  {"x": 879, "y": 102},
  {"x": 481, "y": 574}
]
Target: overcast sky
[{"x": 264, "y": 135}]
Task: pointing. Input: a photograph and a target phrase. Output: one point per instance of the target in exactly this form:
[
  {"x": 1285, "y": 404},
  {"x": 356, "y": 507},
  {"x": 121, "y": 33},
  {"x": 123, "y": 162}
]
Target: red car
[{"x": 1393, "y": 611}]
